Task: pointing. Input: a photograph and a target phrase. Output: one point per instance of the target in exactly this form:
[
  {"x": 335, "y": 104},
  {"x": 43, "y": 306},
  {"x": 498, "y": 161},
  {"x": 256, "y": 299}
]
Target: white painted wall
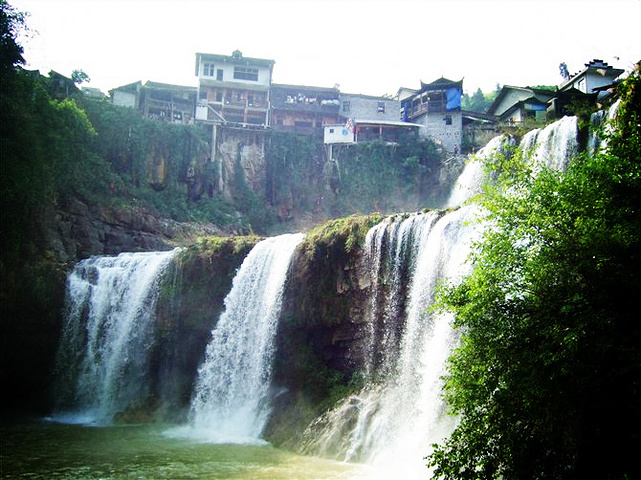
[
  {"x": 228, "y": 73},
  {"x": 338, "y": 134}
]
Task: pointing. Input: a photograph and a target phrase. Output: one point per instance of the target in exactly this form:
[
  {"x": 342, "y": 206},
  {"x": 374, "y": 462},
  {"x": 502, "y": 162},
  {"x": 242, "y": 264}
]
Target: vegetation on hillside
[
  {"x": 547, "y": 379},
  {"x": 479, "y": 101}
]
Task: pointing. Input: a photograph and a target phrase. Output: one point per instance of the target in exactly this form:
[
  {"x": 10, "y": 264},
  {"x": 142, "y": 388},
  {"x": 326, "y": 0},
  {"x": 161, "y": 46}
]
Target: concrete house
[
  {"x": 127, "y": 95},
  {"x": 596, "y": 75},
  {"x": 233, "y": 90},
  {"x": 303, "y": 109},
  {"x": 437, "y": 107},
  {"x": 160, "y": 101},
  {"x": 592, "y": 87},
  {"x": 172, "y": 103},
  {"x": 365, "y": 107},
  {"x": 367, "y": 118},
  {"x": 518, "y": 104}
]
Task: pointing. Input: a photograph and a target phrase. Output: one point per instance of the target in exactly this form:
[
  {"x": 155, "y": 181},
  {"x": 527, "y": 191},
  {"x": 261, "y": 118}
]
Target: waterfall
[
  {"x": 231, "y": 395},
  {"x": 399, "y": 413},
  {"x": 103, "y": 356},
  {"x": 389, "y": 251},
  {"x": 393, "y": 421},
  {"x": 600, "y": 127},
  {"x": 471, "y": 178},
  {"x": 553, "y": 146}
]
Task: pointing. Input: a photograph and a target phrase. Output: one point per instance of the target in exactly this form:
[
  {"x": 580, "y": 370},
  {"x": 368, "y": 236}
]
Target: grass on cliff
[{"x": 350, "y": 231}]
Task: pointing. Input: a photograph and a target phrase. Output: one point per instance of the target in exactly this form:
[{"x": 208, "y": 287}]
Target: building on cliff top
[
  {"x": 303, "y": 109},
  {"x": 366, "y": 118},
  {"x": 233, "y": 90},
  {"x": 588, "y": 88},
  {"x": 596, "y": 75},
  {"x": 160, "y": 101},
  {"x": 517, "y": 104},
  {"x": 437, "y": 107}
]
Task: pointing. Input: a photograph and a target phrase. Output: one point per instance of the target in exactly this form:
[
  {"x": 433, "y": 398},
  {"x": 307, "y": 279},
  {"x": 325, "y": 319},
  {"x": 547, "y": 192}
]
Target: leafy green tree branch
[{"x": 547, "y": 378}]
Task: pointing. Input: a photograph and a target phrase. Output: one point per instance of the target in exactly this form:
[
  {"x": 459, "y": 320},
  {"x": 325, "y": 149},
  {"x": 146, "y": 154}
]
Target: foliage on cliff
[
  {"x": 363, "y": 178},
  {"x": 389, "y": 178},
  {"x": 340, "y": 234},
  {"x": 547, "y": 380}
]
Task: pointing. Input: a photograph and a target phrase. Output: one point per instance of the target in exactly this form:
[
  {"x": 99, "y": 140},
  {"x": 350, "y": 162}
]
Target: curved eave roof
[{"x": 440, "y": 84}]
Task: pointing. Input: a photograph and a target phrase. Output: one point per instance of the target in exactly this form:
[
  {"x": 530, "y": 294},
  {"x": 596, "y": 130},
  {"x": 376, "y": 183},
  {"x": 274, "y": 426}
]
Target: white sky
[{"x": 366, "y": 46}]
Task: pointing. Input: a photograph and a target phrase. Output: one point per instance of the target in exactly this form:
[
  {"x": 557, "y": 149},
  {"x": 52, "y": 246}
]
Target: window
[
  {"x": 203, "y": 95},
  {"x": 448, "y": 119},
  {"x": 219, "y": 96},
  {"x": 246, "y": 73},
  {"x": 380, "y": 108},
  {"x": 208, "y": 69},
  {"x": 346, "y": 106},
  {"x": 219, "y": 75}
]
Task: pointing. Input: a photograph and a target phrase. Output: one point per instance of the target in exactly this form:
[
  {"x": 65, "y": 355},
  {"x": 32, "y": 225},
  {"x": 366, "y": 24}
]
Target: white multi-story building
[{"x": 233, "y": 90}]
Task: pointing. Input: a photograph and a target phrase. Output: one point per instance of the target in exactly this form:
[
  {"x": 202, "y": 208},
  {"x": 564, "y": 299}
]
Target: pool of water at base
[{"x": 40, "y": 449}]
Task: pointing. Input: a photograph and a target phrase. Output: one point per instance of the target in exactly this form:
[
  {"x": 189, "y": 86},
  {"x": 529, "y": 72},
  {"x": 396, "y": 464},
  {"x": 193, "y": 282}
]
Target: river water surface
[{"x": 40, "y": 449}]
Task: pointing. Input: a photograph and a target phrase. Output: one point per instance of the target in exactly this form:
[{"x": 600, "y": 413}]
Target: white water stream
[
  {"x": 393, "y": 421},
  {"x": 231, "y": 396},
  {"x": 390, "y": 423},
  {"x": 105, "y": 342}
]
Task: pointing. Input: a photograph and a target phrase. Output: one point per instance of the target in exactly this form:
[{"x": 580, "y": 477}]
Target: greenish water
[{"x": 48, "y": 450}]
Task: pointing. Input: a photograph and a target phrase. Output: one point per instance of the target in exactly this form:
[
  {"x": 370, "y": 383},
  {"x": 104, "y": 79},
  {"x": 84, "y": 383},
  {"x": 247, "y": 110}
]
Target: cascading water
[
  {"x": 600, "y": 127},
  {"x": 399, "y": 414},
  {"x": 554, "y": 145},
  {"x": 393, "y": 421},
  {"x": 103, "y": 354},
  {"x": 231, "y": 396},
  {"x": 469, "y": 182},
  {"x": 389, "y": 253}
]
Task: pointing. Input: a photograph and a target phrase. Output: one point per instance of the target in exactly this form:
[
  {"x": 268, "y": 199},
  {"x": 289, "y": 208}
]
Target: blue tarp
[{"x": 453, "y": 98}]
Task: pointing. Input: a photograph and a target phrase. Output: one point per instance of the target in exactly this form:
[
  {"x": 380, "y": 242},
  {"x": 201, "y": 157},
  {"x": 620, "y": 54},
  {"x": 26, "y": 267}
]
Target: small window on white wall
[{"x": 208, "y": 69}]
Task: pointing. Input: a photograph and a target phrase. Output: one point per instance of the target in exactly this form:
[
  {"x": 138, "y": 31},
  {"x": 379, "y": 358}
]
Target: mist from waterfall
[
  {"x": 232, "y": 391},
  {"x": 106, "y": 339}
]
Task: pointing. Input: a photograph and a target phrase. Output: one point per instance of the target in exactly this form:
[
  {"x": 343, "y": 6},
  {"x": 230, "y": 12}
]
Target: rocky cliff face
[
  {"x": 79, "y": 230},
  {"x": 192, "y": 299},
  {"x": 321, "y": 335},
  {"x": 241, "y": 158}
]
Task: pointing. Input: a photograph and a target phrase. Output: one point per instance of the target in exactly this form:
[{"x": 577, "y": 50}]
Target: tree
[
  {"x": 79, "y": 76},
  {"x": 547, "y": 379},
  {"x": 478, "y": 102},
  {"x": 563, "y": 70},
  {"x": 11, "y": 22}
]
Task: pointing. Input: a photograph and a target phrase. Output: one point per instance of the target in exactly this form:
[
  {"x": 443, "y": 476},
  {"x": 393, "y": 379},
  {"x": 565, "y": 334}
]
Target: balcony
[{"x": 422, "y": 108}]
